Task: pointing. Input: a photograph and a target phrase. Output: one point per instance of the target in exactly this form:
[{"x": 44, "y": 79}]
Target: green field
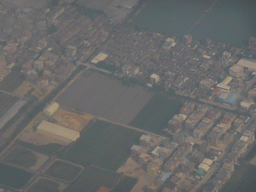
[
  {"x": 92, "y": 179},
  {"x": 44, "y": 185},
  {"x": 11, "y": 82},
  {"x": 242, "y": 180},
  {"x": 13, "y": 177},
  {"x": 21, "y": 157},
  {"x": 63, "y": 170},
  {"x": 156, "y": 114},
  {"x": 125, "y": 184},
  {"x": 104, "y": 144}
]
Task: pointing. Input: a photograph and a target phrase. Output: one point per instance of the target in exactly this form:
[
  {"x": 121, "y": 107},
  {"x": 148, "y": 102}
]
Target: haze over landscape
[{"x": 127, "y": 95}]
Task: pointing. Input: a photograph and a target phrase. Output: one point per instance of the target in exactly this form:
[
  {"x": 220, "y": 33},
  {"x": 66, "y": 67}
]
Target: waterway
[{"x": 229, "y": 21}]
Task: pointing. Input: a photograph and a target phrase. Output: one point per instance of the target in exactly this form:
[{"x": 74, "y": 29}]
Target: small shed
[{"x": 50, "y": 109}]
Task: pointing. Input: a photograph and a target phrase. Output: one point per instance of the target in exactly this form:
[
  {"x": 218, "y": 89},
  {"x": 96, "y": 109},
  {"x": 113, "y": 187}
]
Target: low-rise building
[
  {"x": 154, "y": 166},
  {"x": 246, "y": 104},
  {"x": 236, "y": 71},
  {"x": 145, "y": 141},
  {"x": 154, "y": 78},
  {"x": 57, "y": 131},
  {"x": 206, "y": 83},
  {"x": 50, "y": 109},
  {"x": 144, "y": 158}
]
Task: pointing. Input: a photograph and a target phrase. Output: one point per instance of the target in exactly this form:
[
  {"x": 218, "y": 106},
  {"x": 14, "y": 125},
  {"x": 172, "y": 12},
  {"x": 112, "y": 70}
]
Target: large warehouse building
[{"x": 62, "y": 133}]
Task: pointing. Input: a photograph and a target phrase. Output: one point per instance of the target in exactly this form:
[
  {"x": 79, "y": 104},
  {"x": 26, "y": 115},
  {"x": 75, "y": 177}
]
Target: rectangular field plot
[
  {"x": 92, "y": 179},
  {"x": 156, "y": 114},
  {"x": 63, "y": 170},
  {"x": 6, "y": 101},
  {"x": 13, "y": 177},
  {"x": 45, "y": 185},
  {"x": 242, "y": 180},
  {"x": 11, "y": 82},
  {"x": 25, "y": 158},
  {"x": 104, "y": 144},
  {"x": 99, "y": 95}
]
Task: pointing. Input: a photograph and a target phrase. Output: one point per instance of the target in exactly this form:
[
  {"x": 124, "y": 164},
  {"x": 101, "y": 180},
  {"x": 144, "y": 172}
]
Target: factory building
[
  {"x": 228, "y": 98},
  {"x": 50, "y": 109},
  {"x": 62, "y": 133}
]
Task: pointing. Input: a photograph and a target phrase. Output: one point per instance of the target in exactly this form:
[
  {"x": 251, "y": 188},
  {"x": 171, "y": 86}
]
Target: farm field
[
  {"x": 208, "y": 18},
  {"x": 21, "y": 157},
  {"x": 92, "y": 179},
  {"x": 125, "y": 184},
  {"x": 242, "y": 180},
  {"x": 43, "y": 185},
  {"x": 11, "y": 82},
  {"x": 10, "y": 174},
  {"x": 103, "y": 144},
  {"x": 102, "y": 96},
  {"x": 25, "y": 158},
  {"x": 156, "y": 114},
  {"x": 6, "y": 101},
  {"x": 64, "y": 171}
]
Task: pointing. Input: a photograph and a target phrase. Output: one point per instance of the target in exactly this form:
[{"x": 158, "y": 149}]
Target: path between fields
[{"x": 116, "y": 123}]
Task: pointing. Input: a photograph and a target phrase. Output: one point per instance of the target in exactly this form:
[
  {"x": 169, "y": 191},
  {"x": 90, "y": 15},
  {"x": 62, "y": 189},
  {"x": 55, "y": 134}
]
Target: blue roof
[
  {"x": 230, "y": 99},
  {"x": 164, "y": 176}
]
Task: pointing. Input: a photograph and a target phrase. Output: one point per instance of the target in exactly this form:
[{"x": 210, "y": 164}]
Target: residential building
[
  {"x": 145, "y": 141},
  {"x": 236, "y": 71},
  {"x": 154, "y": 78}
]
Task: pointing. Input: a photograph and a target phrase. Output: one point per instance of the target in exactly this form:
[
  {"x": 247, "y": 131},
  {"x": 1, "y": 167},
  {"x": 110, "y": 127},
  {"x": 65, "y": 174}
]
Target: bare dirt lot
[{"x": 72, "y": 120}]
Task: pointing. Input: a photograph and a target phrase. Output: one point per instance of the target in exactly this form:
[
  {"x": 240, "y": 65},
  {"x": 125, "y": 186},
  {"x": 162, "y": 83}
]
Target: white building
[
  {"x": 100, "y": 57},
  {"x": 57, "y": 131},
  {"x": 236, "y": 71},
  {"x": 246, "y": 104},
  {"x": 251, "y": 65},
  {"x": 50, "y": 109},
  {"x": 154, "y": 78}
]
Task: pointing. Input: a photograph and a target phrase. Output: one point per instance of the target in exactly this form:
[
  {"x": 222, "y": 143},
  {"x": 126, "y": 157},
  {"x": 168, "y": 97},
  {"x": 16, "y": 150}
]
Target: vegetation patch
[
  {"x": 11, "y": 82},
  {"x": 63, "y": 170},
  {"x": 92, "y": 179},
  {"x": 13, "y": 177},
  {"x": 243, "y": 179},
  {"x": 43, "y": 185},
  {"x": 104, "y": 144},
  {"x": 156, "y": 114},
  {"x": 125, "y": 184},
  {"x": 21, "y": 157}
]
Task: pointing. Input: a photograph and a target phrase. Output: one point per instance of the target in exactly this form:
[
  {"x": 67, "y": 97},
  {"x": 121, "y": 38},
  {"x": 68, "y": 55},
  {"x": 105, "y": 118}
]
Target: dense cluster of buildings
[{"x": 46, "y": 45}]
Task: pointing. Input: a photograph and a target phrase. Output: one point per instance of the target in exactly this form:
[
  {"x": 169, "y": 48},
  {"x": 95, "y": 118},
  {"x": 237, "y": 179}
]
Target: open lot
[
  {"x": 13, "y": 177},
  {"x": 242, "y": 180},
  {"x": 25, "y": 158},
  {"x": 92, "y": 179},
  {"x": 63, "y": 170},
  {"x": 6, "y": 101},
  {"x": 156, "y": 114},
  {"x": 102, "y": 96},
  {"x": 103, "y": 144},
  {"x": 71, "y": 120},
  {"x": 11, "y": 82}
]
